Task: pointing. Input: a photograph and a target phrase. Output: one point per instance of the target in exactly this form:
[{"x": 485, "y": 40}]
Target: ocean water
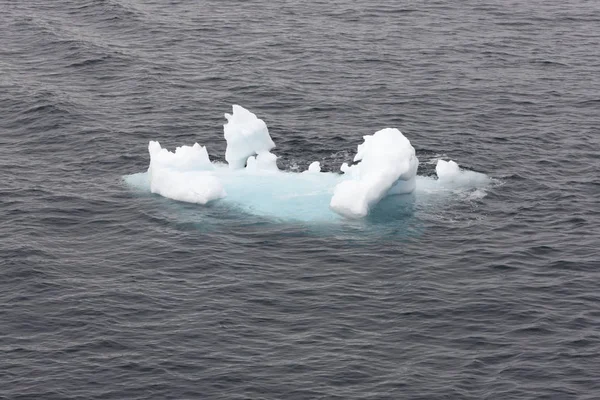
[{"x": 110, "y": 292}]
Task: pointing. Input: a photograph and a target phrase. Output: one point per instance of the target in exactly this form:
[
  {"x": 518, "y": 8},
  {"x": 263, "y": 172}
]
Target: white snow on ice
[
  {"x": 246, "y": 136},
  {"x": 388, "y": 165},
  {"x": 184, "y": 175}
]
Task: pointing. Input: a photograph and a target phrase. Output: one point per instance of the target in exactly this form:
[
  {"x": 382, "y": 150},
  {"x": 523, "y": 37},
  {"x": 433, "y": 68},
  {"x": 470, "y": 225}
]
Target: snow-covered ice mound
[
  {"x": 247, "y": 136},
  {"x": 184, "y": 175},
  {"x": 386, "y": 165}
]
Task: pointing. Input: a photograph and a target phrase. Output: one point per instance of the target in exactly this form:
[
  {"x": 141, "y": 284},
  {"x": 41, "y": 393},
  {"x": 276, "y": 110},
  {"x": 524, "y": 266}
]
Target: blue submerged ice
[{"x": 385, "y": 168}]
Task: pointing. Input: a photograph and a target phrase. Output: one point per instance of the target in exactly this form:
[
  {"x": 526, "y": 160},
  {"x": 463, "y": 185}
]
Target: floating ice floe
[{"x": 385, "y": 164}]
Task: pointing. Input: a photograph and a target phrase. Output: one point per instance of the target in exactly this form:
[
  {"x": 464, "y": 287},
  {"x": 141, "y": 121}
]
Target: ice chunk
[
  {"x": 190, "y": 186},
  {"x": 447, "y": 170},
  {"x": 388, "y": 165},
  {"x": 185, "y": 175},
  {"x": 314, "y": 167},
  {"x": 185, "y": 158},
  {"x": 449, "y": 174},
  {"x": 265, "y": 161},
  {"x": 246, "y": 136}
]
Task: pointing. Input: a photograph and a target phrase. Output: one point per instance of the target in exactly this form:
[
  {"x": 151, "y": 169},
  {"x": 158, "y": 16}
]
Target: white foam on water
[{"x": 252, "y": 182}]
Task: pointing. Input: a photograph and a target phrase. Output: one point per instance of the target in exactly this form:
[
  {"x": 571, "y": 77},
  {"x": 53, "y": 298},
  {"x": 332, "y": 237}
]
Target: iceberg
[{"x": 385, "y": 164}]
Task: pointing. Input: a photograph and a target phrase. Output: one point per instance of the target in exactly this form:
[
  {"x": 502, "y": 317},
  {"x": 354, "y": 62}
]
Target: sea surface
[{"x": 111, "y": 292}]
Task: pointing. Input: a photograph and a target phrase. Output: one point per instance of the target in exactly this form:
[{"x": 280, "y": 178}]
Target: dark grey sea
[{"x": 109, "y": 292}]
